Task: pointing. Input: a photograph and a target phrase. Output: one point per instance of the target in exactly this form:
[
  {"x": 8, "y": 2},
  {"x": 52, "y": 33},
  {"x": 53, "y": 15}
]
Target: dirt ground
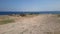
[{"x": 40, "y": 24}]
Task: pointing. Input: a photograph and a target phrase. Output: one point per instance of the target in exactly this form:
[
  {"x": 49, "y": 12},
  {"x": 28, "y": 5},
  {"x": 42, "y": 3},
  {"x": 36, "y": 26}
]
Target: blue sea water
[{"x": 32, "y": 12}]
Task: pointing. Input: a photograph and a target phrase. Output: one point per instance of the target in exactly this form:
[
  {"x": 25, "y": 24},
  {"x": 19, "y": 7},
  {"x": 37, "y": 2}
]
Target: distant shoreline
[{"x": 17, "y": 12}]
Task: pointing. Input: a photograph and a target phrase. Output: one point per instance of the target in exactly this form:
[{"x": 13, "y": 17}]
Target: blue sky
[{"x": 29, "y": 5}]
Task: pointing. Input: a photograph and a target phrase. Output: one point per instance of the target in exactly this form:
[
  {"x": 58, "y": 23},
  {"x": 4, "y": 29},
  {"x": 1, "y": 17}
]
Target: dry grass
[
  {"x": 5, "y": 20},
  {"x": 30, "y": 24}
]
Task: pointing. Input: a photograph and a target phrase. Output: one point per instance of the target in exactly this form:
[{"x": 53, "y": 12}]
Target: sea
[{"x": 28, "y": 12}]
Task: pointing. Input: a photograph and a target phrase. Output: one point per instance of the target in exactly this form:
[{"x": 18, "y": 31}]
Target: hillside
[{"x": 35, "y": 24}]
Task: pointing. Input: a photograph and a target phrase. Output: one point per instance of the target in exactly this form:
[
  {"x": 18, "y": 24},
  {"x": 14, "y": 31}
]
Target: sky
[{"x": 29, "y": 5}]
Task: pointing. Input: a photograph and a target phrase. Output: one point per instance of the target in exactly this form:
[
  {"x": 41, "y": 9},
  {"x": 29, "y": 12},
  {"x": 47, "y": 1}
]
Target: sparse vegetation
[
  {"x": 5, "y": 20},
  {"x": 48, "y": 32},
  {"x": 57, "y": 32},
  {"x": 22, "y": 15},
  {"x": 58, "y": 15}
]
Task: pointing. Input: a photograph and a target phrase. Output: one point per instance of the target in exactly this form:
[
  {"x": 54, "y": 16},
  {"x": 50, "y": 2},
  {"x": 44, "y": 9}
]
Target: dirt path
[{"x": 41, "y": 24}]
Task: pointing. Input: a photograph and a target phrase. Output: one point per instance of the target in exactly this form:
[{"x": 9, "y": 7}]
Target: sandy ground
[{"x": 41, "y": 24}]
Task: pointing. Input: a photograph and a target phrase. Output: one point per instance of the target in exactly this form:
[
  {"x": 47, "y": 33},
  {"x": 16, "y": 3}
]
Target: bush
[
  {"x": 58, "y": 15},
  {"x": 22, "y": 15}
]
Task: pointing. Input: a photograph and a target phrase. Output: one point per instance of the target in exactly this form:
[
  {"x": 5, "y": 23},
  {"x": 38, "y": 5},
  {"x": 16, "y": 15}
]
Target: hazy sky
[{"x": 29, "y": 5}]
